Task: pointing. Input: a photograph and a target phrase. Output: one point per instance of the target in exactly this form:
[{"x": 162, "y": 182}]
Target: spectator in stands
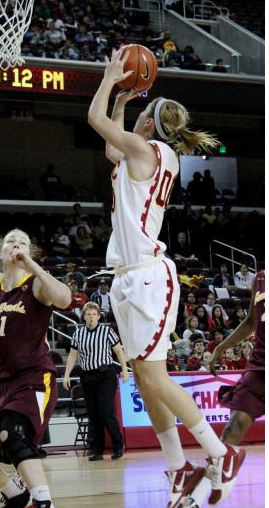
[
  {"x": 192, "y": 327},
  {"x": 170, "y": 50},
  {"x": 188, "y": 216},
  {"x": 94, "y": 344},
  {"x": 78, "y": 212},
  {"x": 208, "y": 184},
  {"x": 54, "y": 35},
  {"x": 190, "y": 305},
  {"x": 40, "y": 253},
  {"x": 78, "y": 222},
  {"x": 191, "y": 60},
  {"x": 195, "y": 189},
  {"x": 183, "y": 249},
  {"x": 225, "y": 216},
  {"x": 102, "y": 233},
  {"x": 42, "y": 10},
  {"x": 83, "y": 242},
  {"x": 102, "y": 297},
  {"x": 219, "y": 67},
  {"x": 204, "y": 320},
  {"x": 209, "y": 215},
  {"x": 183, "y": 349},
  {"x": 244, "y": 278},
  {"x": 195, "y": 360},
  {"x": 73, "y": 274},
  {"x": 57, "y": 248},
  {"x": 245, "y": 352},
  {"x": 83, "y": 37},
  {"x": 172, "y": 361},
  {"x": 206, "y": 361},
  {"x": 223, "y": 279},
  {"x": 210, "y": 302},
  {"x": 51, "y": 183},
  {"x": 217, "y": 338},
  {"x": 217, "y": 319},
  {"x": 229, "y": 360},
  {"x": 78, "y": 298},
  {"x": 68, "y": 51},
  {"x": 42, "y": 235},
  {"x": 64, "y": 239},
  {"x": 237, "y": 318}
]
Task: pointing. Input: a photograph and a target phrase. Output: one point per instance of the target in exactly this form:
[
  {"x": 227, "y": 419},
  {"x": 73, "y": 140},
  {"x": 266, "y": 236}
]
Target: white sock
[
  {"x": 207, "y": 438},
  {"x": 202, "y": 491},
  {"x": 11, "y": 489},
  {"x": 41, "y": 493},
  {"x": 172, "y": 449}
]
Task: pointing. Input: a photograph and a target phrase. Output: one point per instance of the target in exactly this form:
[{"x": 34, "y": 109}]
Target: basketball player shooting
[{"x": 145, "y": 290}]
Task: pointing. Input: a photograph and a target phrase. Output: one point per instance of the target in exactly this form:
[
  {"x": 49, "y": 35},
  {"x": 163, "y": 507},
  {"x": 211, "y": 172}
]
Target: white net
[{"x": 15, "y": 18}]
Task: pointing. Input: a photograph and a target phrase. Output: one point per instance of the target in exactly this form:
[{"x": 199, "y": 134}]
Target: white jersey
[{"x": 138, "y": 209}]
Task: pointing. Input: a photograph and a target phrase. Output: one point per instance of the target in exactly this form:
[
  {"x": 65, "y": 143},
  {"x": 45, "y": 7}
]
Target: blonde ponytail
[
  {"x": 187, "y": 141},
  {"x": 172, "y": 119}
]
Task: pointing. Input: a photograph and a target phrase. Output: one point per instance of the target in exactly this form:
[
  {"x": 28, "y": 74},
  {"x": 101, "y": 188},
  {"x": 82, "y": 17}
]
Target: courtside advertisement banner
[{"x": 203, "y": 387}]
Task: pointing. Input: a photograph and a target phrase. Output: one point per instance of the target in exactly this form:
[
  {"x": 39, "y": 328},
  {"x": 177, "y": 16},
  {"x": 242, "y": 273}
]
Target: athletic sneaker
[
  {"x": 19, "y": 501},
  {"x": 223, "y": 473},
  {"x": 41, "y": 504},
  {"x": 182, "y": 484}
]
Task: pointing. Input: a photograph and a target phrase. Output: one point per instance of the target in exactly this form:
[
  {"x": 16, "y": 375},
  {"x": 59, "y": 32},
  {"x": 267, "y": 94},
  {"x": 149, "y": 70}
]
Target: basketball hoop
[{"x": 15, "y": 18}]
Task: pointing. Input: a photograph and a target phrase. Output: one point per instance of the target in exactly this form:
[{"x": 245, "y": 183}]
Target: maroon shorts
[
  {"x": 247, "y": 395},
  {"x": 34, "y": 395}
]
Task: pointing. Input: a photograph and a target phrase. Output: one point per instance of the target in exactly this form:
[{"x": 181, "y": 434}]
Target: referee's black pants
[{"x": 99, "y": 392}]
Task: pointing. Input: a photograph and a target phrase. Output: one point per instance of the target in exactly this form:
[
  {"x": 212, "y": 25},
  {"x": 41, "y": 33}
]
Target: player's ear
[
  {"x": 150, "y": 125},
  {"x": 149, "y": 121}
]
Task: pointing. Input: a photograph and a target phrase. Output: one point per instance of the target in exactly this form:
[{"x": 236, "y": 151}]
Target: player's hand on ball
[
  {"x": 114, "y": 66},
  {"x": 124, "y": 96}
]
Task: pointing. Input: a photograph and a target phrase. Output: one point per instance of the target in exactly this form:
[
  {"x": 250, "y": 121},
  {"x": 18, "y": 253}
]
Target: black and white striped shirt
[{"x": 94, "y": 346}]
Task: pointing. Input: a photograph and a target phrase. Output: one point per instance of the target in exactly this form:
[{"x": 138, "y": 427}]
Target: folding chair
[{"x": 81, "y": 414}]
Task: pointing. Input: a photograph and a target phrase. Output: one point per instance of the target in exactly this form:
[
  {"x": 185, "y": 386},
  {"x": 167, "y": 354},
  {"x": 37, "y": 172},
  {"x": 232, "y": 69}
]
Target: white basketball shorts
[{"x": 145, "y": 305}]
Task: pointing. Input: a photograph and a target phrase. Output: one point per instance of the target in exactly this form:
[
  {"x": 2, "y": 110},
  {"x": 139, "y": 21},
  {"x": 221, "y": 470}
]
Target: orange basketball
[{"x": 143, "y": 62}]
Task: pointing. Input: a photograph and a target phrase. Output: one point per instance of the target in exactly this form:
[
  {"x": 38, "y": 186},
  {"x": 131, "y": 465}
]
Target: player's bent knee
[{"x": 15, "y": 444}]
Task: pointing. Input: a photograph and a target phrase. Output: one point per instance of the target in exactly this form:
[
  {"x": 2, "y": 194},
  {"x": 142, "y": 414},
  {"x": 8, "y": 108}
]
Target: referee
[{"x": 93, "y": 343}]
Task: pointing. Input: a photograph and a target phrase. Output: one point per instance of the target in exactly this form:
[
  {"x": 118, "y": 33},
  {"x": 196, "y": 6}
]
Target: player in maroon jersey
[
  {"x": 247, "y": 399},
  {"x": 28, "y": 390}
]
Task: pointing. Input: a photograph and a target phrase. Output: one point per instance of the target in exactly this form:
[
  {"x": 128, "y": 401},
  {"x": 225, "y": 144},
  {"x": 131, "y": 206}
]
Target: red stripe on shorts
[{"x": 153, "y": 343}]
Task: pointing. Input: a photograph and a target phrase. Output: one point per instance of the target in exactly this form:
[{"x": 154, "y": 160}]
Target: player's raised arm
[
  {"x": 114, "y": 134},
  {"x": 46, "y": 288},
  {"x": 117, "y": 116}
]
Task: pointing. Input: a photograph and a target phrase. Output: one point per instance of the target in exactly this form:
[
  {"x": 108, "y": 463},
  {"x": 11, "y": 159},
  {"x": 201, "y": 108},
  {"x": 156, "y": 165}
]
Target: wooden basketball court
[{"x": 137, "y": 480}]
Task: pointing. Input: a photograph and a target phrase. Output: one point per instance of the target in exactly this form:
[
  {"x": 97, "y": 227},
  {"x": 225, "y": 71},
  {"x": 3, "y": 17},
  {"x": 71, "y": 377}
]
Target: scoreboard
[{"x": 50, "y": 80}]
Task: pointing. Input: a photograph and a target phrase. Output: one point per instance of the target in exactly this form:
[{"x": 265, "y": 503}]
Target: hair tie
[{"x": 157, "y": 120}]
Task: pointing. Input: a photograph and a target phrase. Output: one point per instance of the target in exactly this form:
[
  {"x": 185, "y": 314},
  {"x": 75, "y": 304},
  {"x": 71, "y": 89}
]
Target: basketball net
[{"x": 15, "y": 18}]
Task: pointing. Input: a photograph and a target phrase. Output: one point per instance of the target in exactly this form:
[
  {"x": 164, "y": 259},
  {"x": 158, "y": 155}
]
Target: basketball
[{"x": 143, "y": 62}]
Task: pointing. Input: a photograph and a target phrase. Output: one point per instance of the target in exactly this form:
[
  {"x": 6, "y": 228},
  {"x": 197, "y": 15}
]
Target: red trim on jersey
[
  {"x": 153, "y": 343},
  {"x": 151, "y": 192}
]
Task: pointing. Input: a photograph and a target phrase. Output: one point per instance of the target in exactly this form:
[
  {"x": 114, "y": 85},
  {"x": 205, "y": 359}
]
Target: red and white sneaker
[
  {"x": 223, "y": 473},
  {"x": 182, "y": 484}
]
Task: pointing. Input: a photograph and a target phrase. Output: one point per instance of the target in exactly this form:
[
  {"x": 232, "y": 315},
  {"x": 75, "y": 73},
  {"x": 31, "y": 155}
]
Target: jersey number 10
[{"x": 166, "y": 187}]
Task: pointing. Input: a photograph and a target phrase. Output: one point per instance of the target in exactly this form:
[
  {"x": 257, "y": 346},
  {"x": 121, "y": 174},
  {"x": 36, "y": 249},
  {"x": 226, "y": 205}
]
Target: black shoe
[
  {"x": 19, "y": 501},
  {"x": 95, "y": 456},
  {"x": 41, "y": 504},
  {"x": 117, "y": 454}
]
